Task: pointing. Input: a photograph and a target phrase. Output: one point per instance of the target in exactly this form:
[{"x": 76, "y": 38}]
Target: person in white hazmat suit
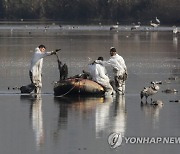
[
  {"x": 98, "y": 74},
  {"x": 35, "y": 71},
  {"x": 119, "y": 70}
]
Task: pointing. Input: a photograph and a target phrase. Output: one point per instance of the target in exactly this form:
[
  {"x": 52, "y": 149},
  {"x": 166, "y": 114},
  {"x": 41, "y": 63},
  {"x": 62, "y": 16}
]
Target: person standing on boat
[
  {"x": 35, "y": 71},
  {"x": 98, "y": 73},
  {"x": 119, "y": 70}
]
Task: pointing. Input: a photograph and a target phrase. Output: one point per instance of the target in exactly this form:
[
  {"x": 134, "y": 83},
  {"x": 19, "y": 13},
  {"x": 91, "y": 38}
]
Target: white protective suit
[
  {"x": 36, "y": 67},
  {"x": 119, "y": 69},
  {"x": 98, "y": 73}
]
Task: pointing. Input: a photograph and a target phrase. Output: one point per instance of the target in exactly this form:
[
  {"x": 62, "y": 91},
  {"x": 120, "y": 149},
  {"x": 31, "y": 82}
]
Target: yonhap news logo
[{"x": 116, "y": 139}]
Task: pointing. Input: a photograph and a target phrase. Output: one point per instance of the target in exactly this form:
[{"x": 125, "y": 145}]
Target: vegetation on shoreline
[{"x": 87, "y": 11}]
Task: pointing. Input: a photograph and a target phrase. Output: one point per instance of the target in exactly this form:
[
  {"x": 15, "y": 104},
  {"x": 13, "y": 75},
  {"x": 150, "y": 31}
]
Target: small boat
[{"x": 78, "y": 87}]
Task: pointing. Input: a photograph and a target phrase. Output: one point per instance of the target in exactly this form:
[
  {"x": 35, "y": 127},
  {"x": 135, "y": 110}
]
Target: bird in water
[
  {"x": 157, "y": 103},
  {"x": 170, "y": 91},
  {"x": 157, "y": 21},
  {"x": 149, "y": 91},
  {"x": 175, "y": 30},
  {"x": 114, "y": 27},
  {"x": 154, "y": 24},
  {"x": 134, "y": 26}
]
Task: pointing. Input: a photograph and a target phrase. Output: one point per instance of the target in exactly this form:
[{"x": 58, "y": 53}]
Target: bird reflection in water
[
  {"x": 175, "y": 42},
  {"x": 36, "y": 117},
  {"x": 153, "y": 111},
  {"x": 111, "y": 115}
]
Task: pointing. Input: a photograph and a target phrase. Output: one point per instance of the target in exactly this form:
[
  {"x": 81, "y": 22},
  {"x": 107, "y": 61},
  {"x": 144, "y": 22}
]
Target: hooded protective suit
[{"x": 119, "y": 69}]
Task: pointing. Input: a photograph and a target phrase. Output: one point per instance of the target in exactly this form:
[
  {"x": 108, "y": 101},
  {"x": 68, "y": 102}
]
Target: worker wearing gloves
[
  {"x": 119, "y": 70},
  {"x": 98, "y": 73},
  {"x": 35, "y": 71}
]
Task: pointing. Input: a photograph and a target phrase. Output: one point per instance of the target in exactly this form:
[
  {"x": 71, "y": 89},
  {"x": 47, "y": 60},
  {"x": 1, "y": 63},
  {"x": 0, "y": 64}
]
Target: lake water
[{"x": 46, "y": 124}]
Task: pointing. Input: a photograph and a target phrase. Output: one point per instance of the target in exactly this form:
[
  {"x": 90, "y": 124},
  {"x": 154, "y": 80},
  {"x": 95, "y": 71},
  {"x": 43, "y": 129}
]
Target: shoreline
[{"x": 54, "y": 27}]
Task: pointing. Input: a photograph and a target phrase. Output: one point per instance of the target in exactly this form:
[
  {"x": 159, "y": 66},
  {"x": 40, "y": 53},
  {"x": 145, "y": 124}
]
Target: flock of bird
[
  {"x": 153, "y": 23},
  {"x": 153, "y": 89}
]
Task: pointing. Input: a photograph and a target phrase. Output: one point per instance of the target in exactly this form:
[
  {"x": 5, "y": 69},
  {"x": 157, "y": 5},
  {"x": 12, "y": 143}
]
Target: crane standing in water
[
  {"x": 134, "y": 26},
  {"x": 149, "y": 91},
  {"x": 157, "y": 21},
  {"x": 155, "y": 24}
]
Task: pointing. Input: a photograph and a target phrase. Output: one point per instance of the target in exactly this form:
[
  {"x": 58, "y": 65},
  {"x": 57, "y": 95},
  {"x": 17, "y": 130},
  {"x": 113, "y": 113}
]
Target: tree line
[{"x": 87, "y": 11}]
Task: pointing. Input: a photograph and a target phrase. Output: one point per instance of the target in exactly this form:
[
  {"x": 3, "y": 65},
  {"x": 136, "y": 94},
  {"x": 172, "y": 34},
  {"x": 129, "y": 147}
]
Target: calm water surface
[{"x": 45, "y": 124}]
